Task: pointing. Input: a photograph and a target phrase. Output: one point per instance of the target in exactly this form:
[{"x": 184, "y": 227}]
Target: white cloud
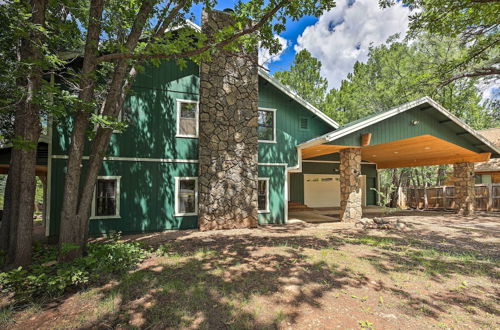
[
  {"x": 489, "y": 89},
  {"x": 265, "y": 57},
  {"x": 343, "y": 35}
]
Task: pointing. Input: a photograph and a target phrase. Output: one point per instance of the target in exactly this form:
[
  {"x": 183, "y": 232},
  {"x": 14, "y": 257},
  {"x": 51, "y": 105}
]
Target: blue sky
[
  {"x": 338, "y": 38},
  {"x": 293, "y": 30}
]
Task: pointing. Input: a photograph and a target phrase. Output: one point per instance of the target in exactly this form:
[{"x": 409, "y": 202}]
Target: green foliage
[
  {"x": 304, "y": 78},
  {"x": 474, "y": 23},
  {"x": 47, "y": 278},
  {"x": 400, "y": 72}
]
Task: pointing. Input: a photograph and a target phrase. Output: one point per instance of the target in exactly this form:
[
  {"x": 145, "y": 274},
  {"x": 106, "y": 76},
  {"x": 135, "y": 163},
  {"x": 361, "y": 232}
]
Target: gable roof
[
  {"x": 283, "y": 88},
  {"x": 276, "y": 83},
  {"x": 493, "y": 165},
  {"x": 492, "y": 134},
  {"x": 375, "y": 118}
]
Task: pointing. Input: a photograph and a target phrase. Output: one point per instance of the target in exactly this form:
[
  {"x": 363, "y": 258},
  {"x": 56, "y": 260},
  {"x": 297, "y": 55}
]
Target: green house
[
  {"x": 143, "y": 174},
  {"x": 199, "y": 132}
]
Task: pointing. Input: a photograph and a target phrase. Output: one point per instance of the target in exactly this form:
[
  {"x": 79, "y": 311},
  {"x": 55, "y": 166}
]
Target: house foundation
[
  {"x": 350, "y": 185},
  {"x": 228, "y": 146},
  {"x": 464, "y": 187}
]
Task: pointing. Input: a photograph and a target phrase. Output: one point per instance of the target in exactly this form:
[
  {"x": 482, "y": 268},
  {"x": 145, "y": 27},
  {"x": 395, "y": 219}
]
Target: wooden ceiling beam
[
  {"x": 322, "y": 150},
  {"x": 482, "y": 157}
]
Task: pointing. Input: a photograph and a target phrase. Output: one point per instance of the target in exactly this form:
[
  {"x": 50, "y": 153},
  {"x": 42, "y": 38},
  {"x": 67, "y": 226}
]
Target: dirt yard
[{"x": 442, "y": 272}]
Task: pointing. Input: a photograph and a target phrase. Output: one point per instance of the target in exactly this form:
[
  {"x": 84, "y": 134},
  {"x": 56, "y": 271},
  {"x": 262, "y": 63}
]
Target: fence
[{"x": 487, "y": 197}]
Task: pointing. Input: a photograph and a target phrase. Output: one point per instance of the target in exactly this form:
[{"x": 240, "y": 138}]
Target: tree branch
[
  {"x": 194, "y": 52},
  {"x": 481, "y": 72}
]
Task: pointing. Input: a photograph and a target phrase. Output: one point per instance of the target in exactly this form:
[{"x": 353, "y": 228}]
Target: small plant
[
  {"x": 46, "y": 277},
  {"x": 366, "y": 325}
]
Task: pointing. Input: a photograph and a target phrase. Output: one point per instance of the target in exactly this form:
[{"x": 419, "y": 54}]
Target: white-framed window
[
  {"x": 106, "y": 203},
  {"x": 186, "y": 196},
  {"x": 266, "y": 129},
  {"x": 263, "y": 195},
  {"x": 187, "y": 118}
]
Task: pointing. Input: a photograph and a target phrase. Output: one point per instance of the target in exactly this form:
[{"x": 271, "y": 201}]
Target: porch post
[
  {"x": 464, "y": 187},
  {"x": 350, "y": 185}
]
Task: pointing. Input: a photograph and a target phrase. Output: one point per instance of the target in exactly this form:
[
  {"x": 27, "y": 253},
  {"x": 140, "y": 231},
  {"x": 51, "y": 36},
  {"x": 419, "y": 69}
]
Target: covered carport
[{"x": 417, "y": 133}]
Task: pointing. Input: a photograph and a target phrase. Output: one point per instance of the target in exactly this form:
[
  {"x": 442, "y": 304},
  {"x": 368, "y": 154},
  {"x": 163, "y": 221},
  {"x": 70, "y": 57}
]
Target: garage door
[{"x": 323, "y": 190}]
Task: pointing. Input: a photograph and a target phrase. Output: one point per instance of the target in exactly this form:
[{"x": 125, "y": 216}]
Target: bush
[{"x": 45, "y": 277}]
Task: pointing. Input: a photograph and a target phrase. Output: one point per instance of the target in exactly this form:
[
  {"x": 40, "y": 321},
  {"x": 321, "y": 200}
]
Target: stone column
[
  {"x": 228, "y": 172},
  {"x": 350, "y": 185},
  {"x": 465, "y": 193}
]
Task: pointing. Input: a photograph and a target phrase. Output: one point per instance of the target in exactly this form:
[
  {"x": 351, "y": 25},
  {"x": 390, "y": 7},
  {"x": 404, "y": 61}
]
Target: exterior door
[{"x": 323, "y": 190}]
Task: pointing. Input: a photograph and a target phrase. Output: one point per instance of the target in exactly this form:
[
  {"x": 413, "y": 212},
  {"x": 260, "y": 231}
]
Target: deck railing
[{"x": 487, "y": 197}]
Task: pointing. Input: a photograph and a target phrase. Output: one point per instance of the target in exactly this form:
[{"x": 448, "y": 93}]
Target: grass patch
[{"x": 6, "y": 316}]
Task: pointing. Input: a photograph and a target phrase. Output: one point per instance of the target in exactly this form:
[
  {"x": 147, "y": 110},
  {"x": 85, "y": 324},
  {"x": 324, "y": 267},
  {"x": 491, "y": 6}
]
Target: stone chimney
[{"x": 228, "y": 145}]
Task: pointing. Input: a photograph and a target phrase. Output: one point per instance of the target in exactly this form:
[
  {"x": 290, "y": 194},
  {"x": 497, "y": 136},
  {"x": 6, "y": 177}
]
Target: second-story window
[
  {"x": 187, "y": 118},
  {"x": 267, "y": 125}
]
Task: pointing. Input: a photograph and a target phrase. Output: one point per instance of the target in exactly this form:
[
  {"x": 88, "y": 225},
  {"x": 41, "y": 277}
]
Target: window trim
[
  {"x": 178, "y": 118},
  {"x": 117, "y": 211},
  {"x": 176, "y": 200},
  {"x": 274, "y": 125},
  {"x": 267, "y": 210}
]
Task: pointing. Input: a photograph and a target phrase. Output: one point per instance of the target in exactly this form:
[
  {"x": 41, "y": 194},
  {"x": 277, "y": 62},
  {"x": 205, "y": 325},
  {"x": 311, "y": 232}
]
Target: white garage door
[{"x": 323, "y": 190}]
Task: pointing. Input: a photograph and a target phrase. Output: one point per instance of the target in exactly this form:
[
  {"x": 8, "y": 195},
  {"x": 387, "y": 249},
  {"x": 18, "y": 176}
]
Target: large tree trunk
[
  {"x": 70, "y": 236},
  {"x": 78, "y": 206},
  {"x": 22, "y": 181},
  {"x": 115, "y": 98}
]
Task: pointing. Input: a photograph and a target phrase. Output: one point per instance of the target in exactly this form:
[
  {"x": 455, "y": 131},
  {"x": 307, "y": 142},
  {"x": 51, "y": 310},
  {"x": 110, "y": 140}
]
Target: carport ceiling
[{"x": 416, "y": 151}]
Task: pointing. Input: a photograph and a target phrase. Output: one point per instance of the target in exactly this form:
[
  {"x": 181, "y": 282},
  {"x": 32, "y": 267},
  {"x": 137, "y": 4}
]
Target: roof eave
[{"x": 276, "y": 83}]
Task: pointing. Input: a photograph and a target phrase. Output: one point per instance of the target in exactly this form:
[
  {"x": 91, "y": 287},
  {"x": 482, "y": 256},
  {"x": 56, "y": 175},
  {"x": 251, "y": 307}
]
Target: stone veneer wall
[
  {"x": 228, "y": 146},
  {"x": 464, "y": 182},
  {"x": 350, "y": 185}
]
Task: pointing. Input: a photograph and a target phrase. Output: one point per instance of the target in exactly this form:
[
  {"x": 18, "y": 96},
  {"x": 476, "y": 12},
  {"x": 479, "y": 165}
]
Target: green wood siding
[
  {"x": 148, "y": 187},
  {"x": 147, "y": 196},
  {"x": 400, "y": 127},
  {"x": 151, "y": 111},
  {"x": 276, "y": 175},
  {"x": 288, "y": 131}
]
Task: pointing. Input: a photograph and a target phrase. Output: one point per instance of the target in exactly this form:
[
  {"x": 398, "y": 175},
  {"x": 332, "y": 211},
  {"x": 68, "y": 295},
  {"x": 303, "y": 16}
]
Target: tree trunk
[
  {"x": 395, "y": 191},
  {"x": 23, "y": 158},
  {"x": 441, "y": 175},
  {"x": 70, "y": 236},
  {"x": 81, "y": 203},
  {"x": 115, "y": 98}
]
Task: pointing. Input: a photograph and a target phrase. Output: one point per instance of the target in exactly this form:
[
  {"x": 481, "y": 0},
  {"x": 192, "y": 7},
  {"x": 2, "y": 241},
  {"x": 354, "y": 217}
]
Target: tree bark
[
  {"x": 23, "y": 158},
  {"x": 394, "y": 192},
  {"x": 115, "y": 97},
  {"x": 70, "y": 236},
  {"x": 78, "y": 206},
  {"x": 441, "y": 175}
]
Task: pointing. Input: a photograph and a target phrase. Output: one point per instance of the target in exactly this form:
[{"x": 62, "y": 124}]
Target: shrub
[{"x": 47, "y": 278}]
